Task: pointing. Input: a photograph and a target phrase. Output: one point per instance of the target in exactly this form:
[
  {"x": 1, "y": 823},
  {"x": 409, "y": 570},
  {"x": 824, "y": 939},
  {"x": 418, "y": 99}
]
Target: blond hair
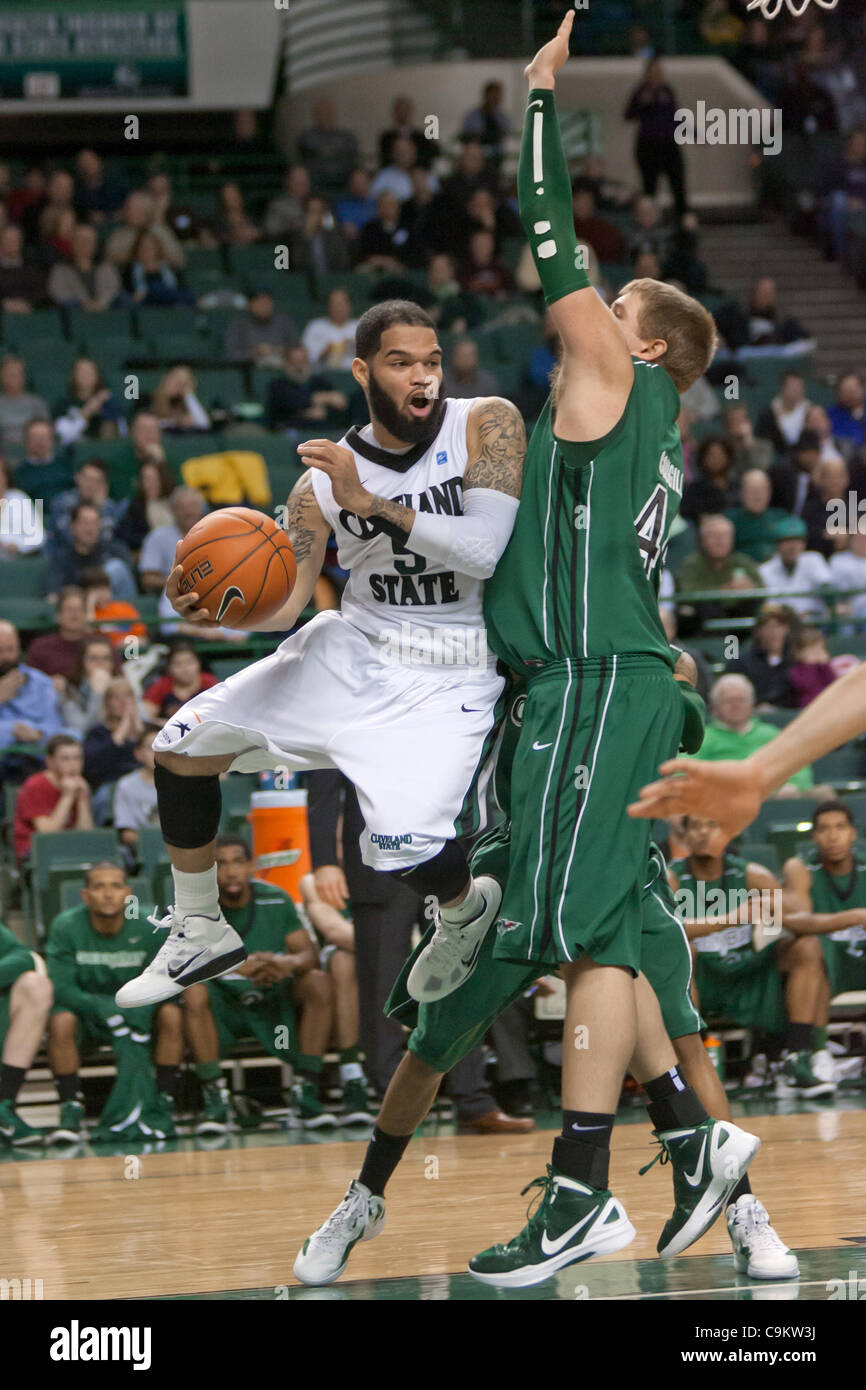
[{"x": 685, "y": 325}]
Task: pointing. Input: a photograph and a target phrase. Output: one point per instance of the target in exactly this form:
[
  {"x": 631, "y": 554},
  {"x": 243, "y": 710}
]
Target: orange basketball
[{"x": 241, "y": 565}]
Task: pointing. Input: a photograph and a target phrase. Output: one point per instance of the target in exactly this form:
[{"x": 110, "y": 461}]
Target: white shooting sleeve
[{"x": 472, "y": 543}]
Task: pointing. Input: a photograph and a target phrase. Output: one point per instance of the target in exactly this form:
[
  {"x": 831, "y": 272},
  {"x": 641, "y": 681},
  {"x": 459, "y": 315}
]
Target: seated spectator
[
  {"x": 302, "y": 395},
  {"x": 795, "y": 483},
  {"x": 402, "y": 113},
  {"x": 848, "y": 571},
  {"x": 812, "y": 670},
  {"x": 783, "y": 420},
  {"x": 56, "y": 230},
  {"x": 262, "y": 335},
  {"x": 805, "y": 105},
  {"x": 81, "y": 696},
  {"x": 90, "y": 411},
  {"x": 647, "y": 266},
  {"x": 483, "y": 272},
  {"x": 29, "y": 707},
  {"x": 794, "y": 571},
  {"x": 818, "y": 422},
  {"x": 233, "y": 226},
  {"x": 42, "y": 472},
  {"x": 285, "y": 213},
  {"x": 145, "y": 437},
  {"x": 329, "y": 153},
  {"x": 109, "y": 747},
  {"x": 610, "y": 194},
  {"x": 650, "y": 230},
  {"x": 22, "y": 286},
  {"x": 26, "y": 997},
  {"x": 359, "y": 207},
  {"x": 28, "y": 195},
  {"x": 84, "y": 549},
  {"x": 184, "y": 678},
  {"x": 82, "y": 281},
  {"x": 833, "y": 481},
  {"x": 451, "y": 309},
  {"x": 464, "y": 378},
  {"x": 754, "y": 519},
  {"x": 734, "y": 732},
  {"x": 716, "y": 565},
  {"x": 58, "y": 653},
  {"x": 149, "y": 506},
  {"x": 330, "y": 340},
  {"x": 749, "y": 451},
  {"x": 394, "y": 177},
  {"x": 151, "y": 279},
  {"x": 97, "y": 197},
  {"x": 470, "y": 173},
  {"x": 382, "y": 243},
  {"x": 841, "y": 190},
  {"x": 92, "y": 950},
  {"x": 137, "y": 216},
  {"x": 21, "y": 530},
  {"x": 91, "y": 485},
  {"x": 117, "y": 619},
  {"x": 535, "y": 387},
  {"x": 176, "y": 405},
  {"x": 848, "y": 415},
  {"x": 488, "y": 124},
  {"x": 135, "y": 794},
  {"x": 180, "y": 219},
  {"x": 18, "y": 406},
  {"x": 156, "y": 560},
  {"x": 699, "y": 401},
  {"x": 769, "y": 657},
  {"x": 57, "y": 798},
  {"x": 761, "y": 325},
  {"x": 712, "y": 490},
  {"x": 484, "y": 213},
  {"x": 606, "y": 240},
  {"x": 59, "y": 198},
  {"x": 255, "y": 999}
]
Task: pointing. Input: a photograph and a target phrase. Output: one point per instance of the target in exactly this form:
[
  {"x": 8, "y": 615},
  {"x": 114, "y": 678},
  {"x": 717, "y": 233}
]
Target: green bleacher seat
[
  {"x": 206, "y": 268},
  {"x": 842, "y": 765},
  {"x": 113, "y": 351},
  {"x": 152, "y": 850},
  {"x": 228, "y": 667},
  {"x": 779, "y": 717},
  {"x": 70, "y": 890},
  {"x": 22, "y": 577},
  {"x": 188, "y": 348},
  {"x": 180, "y": 447},
  {"x": 60, "y": 855},
  {"x": 283, "y": 473},
  {"x": 161, "y": 322},
  {"x": 236, "y": 789},
  {"x": 852, "y": 645},
  {"x": 89, "y": 330},
  {"x": 761, "y": 852},
  {"x": 225, "y": 386},
  {"x": 21, "y": 331},
  {"x": 118, "y": 455}
]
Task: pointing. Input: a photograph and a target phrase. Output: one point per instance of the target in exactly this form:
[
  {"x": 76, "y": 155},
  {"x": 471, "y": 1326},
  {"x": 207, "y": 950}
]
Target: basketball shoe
[
  {"x": 708, "y": 1161},
  {"x": 758, "y": 1251},
  {"x": 572, "y": 1222},
  {"x": 797, "y": 1077},
  {"x": 14, "y": 1131},
  {"x": 198, "y": 948},
  {"x": 324, "y": 1255},
  {"x": 452, "y": 954},
  {"x": 71, "y": 1129}
]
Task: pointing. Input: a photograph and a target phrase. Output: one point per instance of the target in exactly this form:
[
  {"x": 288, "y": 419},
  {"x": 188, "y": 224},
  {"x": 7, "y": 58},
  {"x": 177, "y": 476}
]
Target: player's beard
[{"x": 403, "y": 427}]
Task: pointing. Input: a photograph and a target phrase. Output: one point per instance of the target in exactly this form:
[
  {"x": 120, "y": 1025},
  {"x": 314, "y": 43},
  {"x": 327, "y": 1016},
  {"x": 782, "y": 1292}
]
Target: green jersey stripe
[
  {"x": 545, "y": 629},
  {"x": 543, "y": 816}
]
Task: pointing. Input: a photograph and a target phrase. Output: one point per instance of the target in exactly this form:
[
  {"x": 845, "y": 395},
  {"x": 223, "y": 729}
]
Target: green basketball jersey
[
  {"x": 841, "y": 893},
  {"x": 579, "y": 577},
  {"x": 266, "y": 920},
  {"x": 82, "y": 961},
  {"x": 695, "y": 897}
]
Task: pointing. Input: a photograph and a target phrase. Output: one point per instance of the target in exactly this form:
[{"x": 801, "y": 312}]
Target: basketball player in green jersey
[
  {"x": 830, "y": 887},
  {"x": 573, "y": 606},
  {"x": 743, "y": 981}
]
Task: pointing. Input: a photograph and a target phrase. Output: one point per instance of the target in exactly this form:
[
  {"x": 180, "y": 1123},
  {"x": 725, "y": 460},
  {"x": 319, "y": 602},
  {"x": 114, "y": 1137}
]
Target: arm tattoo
[
  {"x": 403, "y": 518},
  {"x": 497, "y": 448},
  {"x": 304, "y": 521}
]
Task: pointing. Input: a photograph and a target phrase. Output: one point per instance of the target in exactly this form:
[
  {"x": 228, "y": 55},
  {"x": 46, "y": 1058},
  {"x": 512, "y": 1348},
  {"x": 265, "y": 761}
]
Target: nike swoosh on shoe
[
  {"x": 694, "y": 1178},
  {"x": 553, "y": 1247}
]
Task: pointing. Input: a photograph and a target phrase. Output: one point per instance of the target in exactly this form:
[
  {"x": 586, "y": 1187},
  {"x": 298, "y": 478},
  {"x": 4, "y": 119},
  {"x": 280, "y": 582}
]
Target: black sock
[
  {"x": 167, "y": 1079},
  {"x": 68, "y": 1086},
  {"x": 384, "y": 1152},
  {"x": 11, "y": 1079},
  {"x": 742, "y": 1187},
  {"x": 582, "y": 1151},
  {"x": 672, "y": 1103},
  {"x": 798, "y": 1038}
]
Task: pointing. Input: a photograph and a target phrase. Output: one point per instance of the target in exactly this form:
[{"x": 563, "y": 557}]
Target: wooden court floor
[{"x": 227, "y": 1223}]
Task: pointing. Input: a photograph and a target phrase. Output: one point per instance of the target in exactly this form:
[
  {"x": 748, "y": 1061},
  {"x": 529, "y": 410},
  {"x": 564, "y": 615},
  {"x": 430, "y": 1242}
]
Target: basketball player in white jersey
[{"x": 398, "y": 689}]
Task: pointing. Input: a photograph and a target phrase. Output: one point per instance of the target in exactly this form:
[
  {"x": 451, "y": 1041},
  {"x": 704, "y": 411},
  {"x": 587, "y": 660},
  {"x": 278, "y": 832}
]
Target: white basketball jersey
[{"x": 421, "y": 612}]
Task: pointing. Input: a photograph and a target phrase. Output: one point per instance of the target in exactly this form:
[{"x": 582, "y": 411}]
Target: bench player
[
  {"x": 444, "y": 1031},
  {"x": 398, "y": 689}
]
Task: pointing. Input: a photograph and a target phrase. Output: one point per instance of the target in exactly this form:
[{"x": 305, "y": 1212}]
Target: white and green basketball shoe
[
  {"x": 325, "y": 1254},
  {"x": 572, "y": 1222},
  {"x": 708, "y": 1161},
  {"x": 758, "y": 1250}
]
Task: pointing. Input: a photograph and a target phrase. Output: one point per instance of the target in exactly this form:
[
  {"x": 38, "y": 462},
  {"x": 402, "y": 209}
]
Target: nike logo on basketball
[
  {"x": 539, "y": 747},
  {"x": 553, "y": 1247},
  {"x": 694, "y": 1178},
  {"x": 227, "y": 600}
]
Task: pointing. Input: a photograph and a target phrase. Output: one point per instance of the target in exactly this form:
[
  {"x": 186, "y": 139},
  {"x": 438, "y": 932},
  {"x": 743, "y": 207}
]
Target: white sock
[
  {"x": 458, "y": 914},
  {"x": 351, "y": 1071},
  {"x": 196, "y": 893}
]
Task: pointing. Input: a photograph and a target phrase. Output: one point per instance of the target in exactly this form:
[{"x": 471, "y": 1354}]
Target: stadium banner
[{"x": 53, "y": 49}]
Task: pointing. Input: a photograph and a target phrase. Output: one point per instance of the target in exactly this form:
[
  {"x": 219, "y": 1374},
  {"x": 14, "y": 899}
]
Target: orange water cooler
[{"x": 281, "y": 840}]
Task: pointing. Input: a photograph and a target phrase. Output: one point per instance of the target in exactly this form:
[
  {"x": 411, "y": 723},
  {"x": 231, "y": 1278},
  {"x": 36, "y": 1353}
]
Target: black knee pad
[
  {"x": 444, "y": 876},
  {"x": 189, "y": 808}
]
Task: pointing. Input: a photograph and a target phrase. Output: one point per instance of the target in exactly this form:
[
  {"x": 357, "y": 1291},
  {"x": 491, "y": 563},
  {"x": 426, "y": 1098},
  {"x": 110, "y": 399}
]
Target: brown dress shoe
[{"x": 497, "y": 1122}]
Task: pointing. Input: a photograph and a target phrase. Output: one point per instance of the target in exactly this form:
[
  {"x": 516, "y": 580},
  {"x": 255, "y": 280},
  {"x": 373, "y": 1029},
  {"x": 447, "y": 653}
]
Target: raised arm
[
  {"x": 308, "y": 531},
  {"x": 473, "y": 542},
  {"x": 597, "y": 371}
]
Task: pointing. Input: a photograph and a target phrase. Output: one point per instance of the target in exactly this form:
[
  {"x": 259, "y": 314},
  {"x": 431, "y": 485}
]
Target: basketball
[{"x": 241, "y": 565}]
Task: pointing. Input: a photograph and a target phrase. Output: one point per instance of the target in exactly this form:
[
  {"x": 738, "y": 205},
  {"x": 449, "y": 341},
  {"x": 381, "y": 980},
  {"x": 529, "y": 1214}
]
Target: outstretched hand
[
  {"x": 729, "y": 793},
  {"x": 549, "y": 59}
]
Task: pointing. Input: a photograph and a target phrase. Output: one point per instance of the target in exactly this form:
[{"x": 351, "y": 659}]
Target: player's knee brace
[
  {"x": 445, "y": 876},
  {"x": 189, "y": 808}
]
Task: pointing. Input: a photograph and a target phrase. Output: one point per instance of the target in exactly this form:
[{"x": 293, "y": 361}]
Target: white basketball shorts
[{"x": 413, "y": 739}]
